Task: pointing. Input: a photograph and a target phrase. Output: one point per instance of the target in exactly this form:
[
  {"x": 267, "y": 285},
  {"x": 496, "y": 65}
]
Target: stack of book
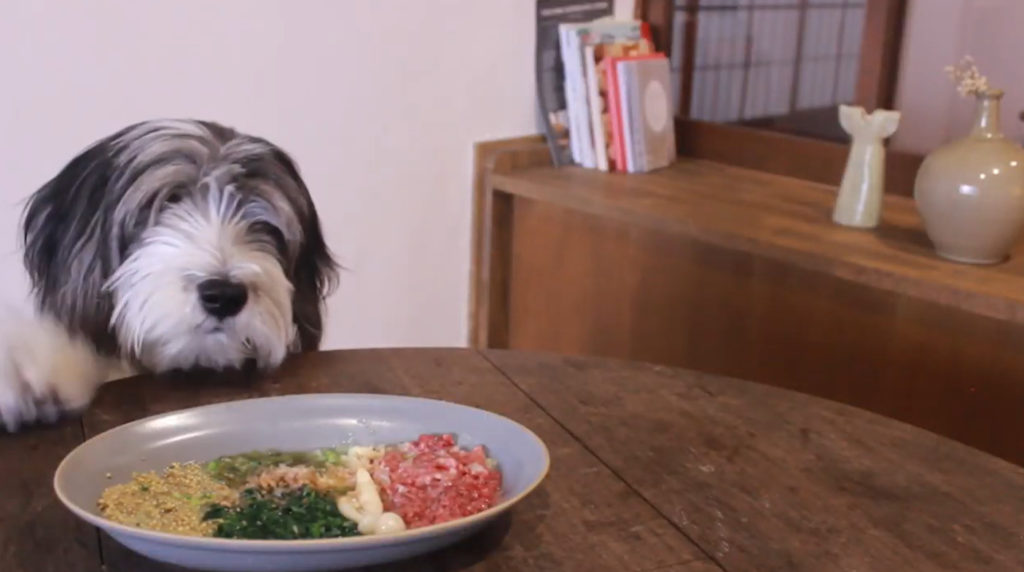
[{"x": 618, "y": 101}]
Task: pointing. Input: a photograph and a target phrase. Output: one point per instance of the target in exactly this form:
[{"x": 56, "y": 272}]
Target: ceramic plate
[{"x": 297, "y": 422}]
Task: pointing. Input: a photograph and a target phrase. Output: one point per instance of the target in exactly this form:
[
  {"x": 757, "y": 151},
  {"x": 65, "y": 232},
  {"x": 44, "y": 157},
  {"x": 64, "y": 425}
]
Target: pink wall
[
  {"x": 379, "y": 102},
  {"x": 937, "y": 34}
]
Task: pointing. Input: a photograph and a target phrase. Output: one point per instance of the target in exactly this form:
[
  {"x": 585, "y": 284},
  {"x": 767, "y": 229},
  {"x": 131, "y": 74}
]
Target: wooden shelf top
[{"x": 785, "y": 219}]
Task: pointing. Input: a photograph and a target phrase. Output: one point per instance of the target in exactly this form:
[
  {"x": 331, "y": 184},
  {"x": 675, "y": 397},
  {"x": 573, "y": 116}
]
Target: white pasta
[
  {"x": 364, "y": 507},
  {"x": 388, "y": 523},
  {"x": 366, "y": 493},
  {"x": 362, "y": 457}
]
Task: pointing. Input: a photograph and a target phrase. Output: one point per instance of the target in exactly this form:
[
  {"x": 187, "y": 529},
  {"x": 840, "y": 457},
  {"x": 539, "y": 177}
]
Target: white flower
[{"x": 967, "y": 77}]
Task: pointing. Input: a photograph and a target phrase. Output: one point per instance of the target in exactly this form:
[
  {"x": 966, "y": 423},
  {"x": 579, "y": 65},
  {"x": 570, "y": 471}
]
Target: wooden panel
[
  {"x": 769, "y": 480},
  {"x": 489, "y": 261},
  {"x": 784, "y": 220},
  {"x": 817, "y": 123},
  {"x": 659, "y": 16},
  {"x": 880, "y": 53},
  {"x": 625, "y": 290},
  {"x": 805, "y": 158},
  {"x": 689, "y": 55}
]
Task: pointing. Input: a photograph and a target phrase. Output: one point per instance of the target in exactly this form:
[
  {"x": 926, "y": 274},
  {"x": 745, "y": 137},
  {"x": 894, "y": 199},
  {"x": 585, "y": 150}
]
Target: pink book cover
[{"x": 618, "y": 143}]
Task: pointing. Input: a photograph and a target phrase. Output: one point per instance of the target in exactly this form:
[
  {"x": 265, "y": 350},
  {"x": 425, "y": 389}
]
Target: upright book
[
  {"x": 598, "y": 89},
  {"x": 575, "y": 38},
  {"x": 617, "y": 140},
  {"x": 647, "y": 110},
  {"x": 550, "y": 69}
]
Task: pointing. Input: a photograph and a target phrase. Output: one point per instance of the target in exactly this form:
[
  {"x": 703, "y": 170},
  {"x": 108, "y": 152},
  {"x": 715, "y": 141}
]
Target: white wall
[
  {"x": 379, "y": 101},
  {"x": 938, "y": 33}
]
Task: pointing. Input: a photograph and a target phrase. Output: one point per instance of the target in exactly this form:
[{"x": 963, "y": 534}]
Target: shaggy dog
[{"x": 169, "y": 245}]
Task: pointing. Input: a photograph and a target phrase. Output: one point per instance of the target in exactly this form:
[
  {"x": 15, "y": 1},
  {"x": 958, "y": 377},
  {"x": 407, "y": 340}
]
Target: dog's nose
[{"x": 222, "y": 298}]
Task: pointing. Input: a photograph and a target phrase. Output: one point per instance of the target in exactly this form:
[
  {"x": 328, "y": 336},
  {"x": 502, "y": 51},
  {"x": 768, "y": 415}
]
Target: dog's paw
[
  {"x": 20, "y": 405},
  {"x": 44, "y": 373}
]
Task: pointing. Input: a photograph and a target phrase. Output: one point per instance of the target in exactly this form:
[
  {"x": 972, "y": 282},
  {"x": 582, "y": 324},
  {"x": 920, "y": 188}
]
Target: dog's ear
[
  {"x": 65, "y": 250},
  {"x": 315, "y": 272},
  {"x": 316, "y": 277}
]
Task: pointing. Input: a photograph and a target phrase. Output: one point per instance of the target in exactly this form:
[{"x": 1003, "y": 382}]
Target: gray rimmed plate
[{"x": 296, "y": 422}]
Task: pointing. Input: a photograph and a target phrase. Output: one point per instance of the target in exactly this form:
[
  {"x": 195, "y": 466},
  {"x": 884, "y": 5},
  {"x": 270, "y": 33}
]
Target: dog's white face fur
[
  {"x": 158, "y": 313},
  {"x": 170, "y": 245}
]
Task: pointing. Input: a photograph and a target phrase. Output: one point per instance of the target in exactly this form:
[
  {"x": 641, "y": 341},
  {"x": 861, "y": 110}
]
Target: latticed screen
[{"x": 756, "y": 59}]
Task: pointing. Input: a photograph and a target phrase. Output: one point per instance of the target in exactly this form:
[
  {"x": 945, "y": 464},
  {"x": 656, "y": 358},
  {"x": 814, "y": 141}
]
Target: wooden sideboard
[{"x": 742, "y": 273}]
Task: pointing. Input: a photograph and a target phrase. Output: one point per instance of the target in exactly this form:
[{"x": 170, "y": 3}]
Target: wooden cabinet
[{"x": 739, "y": 272}]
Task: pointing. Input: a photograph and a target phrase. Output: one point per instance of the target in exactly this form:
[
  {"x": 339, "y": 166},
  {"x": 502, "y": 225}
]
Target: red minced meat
[{"x": 431, "y": 480}]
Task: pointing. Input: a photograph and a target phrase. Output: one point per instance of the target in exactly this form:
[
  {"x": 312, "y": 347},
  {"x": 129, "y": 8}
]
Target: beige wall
[
  {"x": 940, "y": 32},
  {"x": 380, "y": 102}
]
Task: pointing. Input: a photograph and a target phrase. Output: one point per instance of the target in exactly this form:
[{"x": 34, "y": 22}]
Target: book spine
[
  {"x": 567, "y": 86},
  {"x": 625, "y": 105},
  {"x": 614, "y": 112},
  {"x": 617, "y": 109},
  {"x": 596, "y": 111},
  {"x": 583, "y": 110},
  {"x": 636, "y": 117}
]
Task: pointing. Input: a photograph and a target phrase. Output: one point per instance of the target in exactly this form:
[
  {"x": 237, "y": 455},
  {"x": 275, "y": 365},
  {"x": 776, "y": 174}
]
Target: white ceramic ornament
[{"x": 859, "y": 203}]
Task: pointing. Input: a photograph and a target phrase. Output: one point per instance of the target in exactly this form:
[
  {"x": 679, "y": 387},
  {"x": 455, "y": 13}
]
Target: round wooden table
[{"x": 653, "y": 469}]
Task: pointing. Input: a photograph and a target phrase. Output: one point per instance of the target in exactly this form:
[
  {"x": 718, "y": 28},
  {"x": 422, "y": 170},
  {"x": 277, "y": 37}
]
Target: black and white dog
[{"x": 169, "y": 245}]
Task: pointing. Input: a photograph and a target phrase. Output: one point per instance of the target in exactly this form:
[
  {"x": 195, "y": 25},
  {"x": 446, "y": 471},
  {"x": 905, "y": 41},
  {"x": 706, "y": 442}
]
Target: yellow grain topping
[{"x": 173, "y": 502}]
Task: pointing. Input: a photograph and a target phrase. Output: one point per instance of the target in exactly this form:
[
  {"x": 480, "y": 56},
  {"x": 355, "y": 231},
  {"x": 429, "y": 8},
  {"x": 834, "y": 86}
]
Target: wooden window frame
[{"x": 788, "y": 154}]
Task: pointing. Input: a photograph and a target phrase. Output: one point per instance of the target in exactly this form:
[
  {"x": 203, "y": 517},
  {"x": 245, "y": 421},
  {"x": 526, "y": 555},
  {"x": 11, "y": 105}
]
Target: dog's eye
[
  {"x": 169, "y": 200},
  {"x": 269, "y": 233}
]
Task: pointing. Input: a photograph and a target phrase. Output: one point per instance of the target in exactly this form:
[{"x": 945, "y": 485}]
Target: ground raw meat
[{"x": 431, "y": 480}]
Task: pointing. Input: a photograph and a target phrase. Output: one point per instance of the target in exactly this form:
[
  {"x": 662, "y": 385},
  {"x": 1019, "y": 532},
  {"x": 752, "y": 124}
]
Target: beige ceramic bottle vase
[{"x": 970, "y": 192}]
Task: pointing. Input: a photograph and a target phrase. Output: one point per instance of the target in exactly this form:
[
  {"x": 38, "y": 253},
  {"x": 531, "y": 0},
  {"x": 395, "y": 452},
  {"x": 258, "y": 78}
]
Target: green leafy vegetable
[
  {"x": 331, "y": 456},
  {"x": 234, "y": 470},
  {"x": 299, "y": 514}
]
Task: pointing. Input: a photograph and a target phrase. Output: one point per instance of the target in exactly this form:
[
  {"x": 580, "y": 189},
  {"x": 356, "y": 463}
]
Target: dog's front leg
[{"x": 44, "y": 371}]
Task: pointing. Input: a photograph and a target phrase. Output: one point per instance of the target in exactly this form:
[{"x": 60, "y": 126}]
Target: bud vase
[
  {"x": 970, "y": 192},
  {"x": 859, "y": 202}
]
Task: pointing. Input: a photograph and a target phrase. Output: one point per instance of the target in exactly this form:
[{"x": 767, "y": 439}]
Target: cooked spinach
[{"x": 298, "y": 514}]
